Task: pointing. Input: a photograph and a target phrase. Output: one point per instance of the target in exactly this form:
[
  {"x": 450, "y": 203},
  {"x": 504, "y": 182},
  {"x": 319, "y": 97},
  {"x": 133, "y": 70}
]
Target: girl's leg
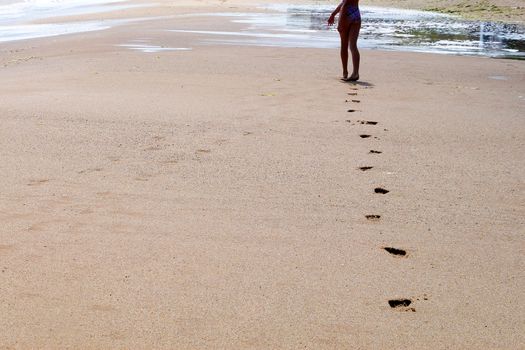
[
  {"x": 344, "y": 34},
  {"x": 353, "y": 35}
]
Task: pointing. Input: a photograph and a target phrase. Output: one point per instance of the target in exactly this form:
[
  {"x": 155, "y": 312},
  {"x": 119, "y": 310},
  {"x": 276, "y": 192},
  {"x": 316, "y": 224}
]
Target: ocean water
[
  {"x": 25, "y": 11},
  {"x": 382, "y": 28},
  {"x": 16, "y": 17}
]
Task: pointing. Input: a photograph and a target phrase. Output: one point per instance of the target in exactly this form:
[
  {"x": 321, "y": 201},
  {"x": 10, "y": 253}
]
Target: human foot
[{"x": 353, "y": 77}]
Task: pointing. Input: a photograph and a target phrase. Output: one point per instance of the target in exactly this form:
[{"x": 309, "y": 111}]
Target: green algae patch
[{"x": 483, "y": 10}]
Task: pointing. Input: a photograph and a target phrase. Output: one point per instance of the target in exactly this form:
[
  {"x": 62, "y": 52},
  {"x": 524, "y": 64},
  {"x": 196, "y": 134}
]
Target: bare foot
[{"x": 352, "y": 78}]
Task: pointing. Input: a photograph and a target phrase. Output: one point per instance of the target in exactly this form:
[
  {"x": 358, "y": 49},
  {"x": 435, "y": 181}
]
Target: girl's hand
[{"x": 331, "y": 20}]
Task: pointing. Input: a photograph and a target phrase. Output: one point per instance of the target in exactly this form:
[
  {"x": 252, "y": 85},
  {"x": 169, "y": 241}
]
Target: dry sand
[{"x": 211, "y": 199}]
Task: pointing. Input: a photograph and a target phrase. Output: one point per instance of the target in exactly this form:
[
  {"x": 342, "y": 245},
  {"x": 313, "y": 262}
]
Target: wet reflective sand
[{"x": 146, "y": 46}]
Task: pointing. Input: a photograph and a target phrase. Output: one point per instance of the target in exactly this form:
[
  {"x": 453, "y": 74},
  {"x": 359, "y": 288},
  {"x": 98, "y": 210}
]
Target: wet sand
[{"x": 227, "y": 198}]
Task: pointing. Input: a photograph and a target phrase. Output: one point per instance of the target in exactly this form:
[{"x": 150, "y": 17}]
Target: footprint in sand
[
  {"x": 373, "y": 217},
  {"x": 37, "y": 182},
  {"x": 367, "y": 122},
  {"x": 352, "y": 93},
  {"x": 364, "y": 136},
  {"x": 351, "y": 111},
  {"x": 402, "y": 304},
  {"x": 153, "y": 148},
  {"x": 114, "y": 159},
  {"x": 375, "y": 152},
  {"x": 399, "y": 302},
  {"x": 104, "y": 194},
  {"x": 170, "y": 161},
  {"x": 365, "y": 168},
  {"x": 395, "y": 251},
  {"x": 90, "y": 170},
  {"x": 424, "y": 297},
  {"x": 203, "y": 151},
  {"x": 220, "y": 142},
  {"x": 380, "y": 190},
  {"x": 103, "y": 308}
]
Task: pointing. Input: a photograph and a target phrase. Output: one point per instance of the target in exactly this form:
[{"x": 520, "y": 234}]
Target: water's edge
[{"x": 286, "y": 25}]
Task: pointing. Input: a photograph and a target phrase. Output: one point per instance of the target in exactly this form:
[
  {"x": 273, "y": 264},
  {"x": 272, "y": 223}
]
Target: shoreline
[{"x": 394, "y": 34}]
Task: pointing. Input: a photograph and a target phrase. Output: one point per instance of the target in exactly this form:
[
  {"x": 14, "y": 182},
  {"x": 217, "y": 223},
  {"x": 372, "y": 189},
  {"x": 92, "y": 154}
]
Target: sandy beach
[{"x": 229, "y": 197}]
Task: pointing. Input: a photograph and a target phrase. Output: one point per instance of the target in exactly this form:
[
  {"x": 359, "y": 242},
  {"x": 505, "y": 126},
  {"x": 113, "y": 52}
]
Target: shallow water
[
  {"x": 16, "y": 17},
  {"x": 12, "y": 12},
  {"x": 383, "y": 28}
]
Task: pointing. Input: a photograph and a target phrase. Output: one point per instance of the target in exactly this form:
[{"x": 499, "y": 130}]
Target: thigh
[{"x": 344, "y": 31}]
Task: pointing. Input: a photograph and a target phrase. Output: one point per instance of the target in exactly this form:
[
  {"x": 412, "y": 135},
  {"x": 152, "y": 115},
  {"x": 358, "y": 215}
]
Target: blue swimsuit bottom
[{"x": 353, "y": 14}]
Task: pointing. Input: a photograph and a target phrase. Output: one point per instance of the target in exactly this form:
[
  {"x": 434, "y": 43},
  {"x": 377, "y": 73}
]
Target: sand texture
[{"x": 213, "y": 198}]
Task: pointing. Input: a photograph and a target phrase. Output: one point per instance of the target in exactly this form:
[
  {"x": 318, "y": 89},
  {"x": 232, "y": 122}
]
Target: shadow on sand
[{"x": 358, "y": 83}]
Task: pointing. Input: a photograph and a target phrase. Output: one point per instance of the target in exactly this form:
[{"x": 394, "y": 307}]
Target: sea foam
[{"x": 17, "y": 18}]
